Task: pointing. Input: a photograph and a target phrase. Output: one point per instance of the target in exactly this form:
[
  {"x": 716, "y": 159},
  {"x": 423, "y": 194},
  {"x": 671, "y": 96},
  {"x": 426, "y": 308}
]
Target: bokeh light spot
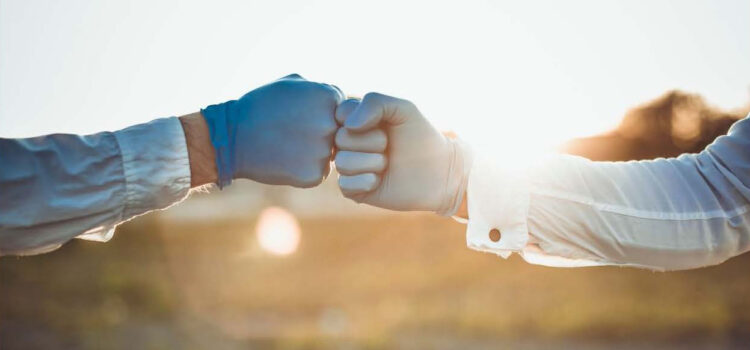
[{"x": 278, "y": 231}]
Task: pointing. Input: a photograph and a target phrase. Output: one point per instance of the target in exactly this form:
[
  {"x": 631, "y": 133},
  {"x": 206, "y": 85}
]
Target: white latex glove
[{"x": 391, "y": 157}]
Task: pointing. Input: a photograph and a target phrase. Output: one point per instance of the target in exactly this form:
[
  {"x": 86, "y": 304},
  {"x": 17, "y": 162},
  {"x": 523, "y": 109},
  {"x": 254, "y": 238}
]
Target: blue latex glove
[
  {"x": 280, "y": 134},
  {"x": 390, "y": 156}
]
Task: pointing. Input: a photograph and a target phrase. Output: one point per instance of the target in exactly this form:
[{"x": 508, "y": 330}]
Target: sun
[{"x": 277, "y": 231}]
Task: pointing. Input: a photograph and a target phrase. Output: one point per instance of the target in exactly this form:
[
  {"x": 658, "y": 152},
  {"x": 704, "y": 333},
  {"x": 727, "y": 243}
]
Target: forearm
[
  {"x": 667, "y": 214},
  {"x": 679, "y": 213},
  {"x": 57, "y": 187}
]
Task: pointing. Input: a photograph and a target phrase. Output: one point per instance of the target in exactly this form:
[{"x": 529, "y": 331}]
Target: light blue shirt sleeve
[
  {"x": 665, "y": 214},
  {"x": 57, "y": 187}
]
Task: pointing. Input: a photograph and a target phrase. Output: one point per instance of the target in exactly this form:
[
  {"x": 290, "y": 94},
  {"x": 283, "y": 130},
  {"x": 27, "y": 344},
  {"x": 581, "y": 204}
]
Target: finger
[
  {"x": 345, "y": 109},
  {"x": 358, "y": 184},
  {"x": 377, "y": 108},
  {"x": 353, "y": 163},
  {"x": 373, "y": 141}
]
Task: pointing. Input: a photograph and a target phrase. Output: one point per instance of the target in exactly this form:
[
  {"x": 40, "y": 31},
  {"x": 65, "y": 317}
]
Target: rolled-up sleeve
[
  {"x": 58, "y": 187},
  {"x": 664, "y": 214}
]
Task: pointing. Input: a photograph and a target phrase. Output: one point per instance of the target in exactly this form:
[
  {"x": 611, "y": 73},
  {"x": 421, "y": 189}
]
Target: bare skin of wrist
[
  {"x": 200, "y": 151},
  {"x": 463, "y": 210}
]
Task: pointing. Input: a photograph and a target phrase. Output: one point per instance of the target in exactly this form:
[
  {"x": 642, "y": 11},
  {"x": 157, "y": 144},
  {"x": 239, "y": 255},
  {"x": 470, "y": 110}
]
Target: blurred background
[{"x": 257, "y": 266}]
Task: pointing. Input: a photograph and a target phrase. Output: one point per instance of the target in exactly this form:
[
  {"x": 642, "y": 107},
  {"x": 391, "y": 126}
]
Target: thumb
[
  {"x": 345, "y": 109},
  {"x": 377, "y": 108}
]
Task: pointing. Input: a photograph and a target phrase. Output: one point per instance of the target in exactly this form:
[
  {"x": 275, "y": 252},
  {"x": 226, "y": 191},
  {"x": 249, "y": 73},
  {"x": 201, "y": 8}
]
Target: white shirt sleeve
[
  {"x": 57, "y": 187},
  {"x": 664, "y": 214}
]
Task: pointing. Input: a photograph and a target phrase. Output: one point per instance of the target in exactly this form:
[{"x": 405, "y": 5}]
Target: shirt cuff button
[{"x": 494, "y": 235}]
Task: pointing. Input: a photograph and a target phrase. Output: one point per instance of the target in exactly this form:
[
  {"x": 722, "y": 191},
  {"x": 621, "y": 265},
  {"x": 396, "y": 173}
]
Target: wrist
[
  {"x": 217, "y": 118},
  {"x": 200, "y": 150},
  {"x": 463, "y": 209},
  {"x": 460, "y": 166}
]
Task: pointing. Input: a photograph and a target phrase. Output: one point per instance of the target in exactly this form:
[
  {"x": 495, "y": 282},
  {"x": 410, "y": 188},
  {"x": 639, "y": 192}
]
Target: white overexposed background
[{"x": 526, "y": 74}]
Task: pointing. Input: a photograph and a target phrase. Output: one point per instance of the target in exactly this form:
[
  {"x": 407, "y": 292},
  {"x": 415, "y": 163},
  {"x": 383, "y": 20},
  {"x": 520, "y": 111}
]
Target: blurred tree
[{"x": 672, "y": 124}]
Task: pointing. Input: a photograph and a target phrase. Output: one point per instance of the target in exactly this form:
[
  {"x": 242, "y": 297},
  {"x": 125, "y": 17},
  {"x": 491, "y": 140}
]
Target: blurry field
[{"x": 404, "y": 281}]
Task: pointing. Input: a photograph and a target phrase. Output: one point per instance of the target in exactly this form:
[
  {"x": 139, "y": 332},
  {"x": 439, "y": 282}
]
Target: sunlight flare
[{"x": 278, "y": 231}]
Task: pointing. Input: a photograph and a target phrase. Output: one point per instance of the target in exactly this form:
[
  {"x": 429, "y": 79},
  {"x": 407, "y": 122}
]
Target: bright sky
[{"x": 525, "y": 74}]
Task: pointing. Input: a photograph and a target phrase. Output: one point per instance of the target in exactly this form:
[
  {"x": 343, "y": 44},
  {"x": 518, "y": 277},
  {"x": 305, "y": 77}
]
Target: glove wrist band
[{"x": 217, "y": 118}]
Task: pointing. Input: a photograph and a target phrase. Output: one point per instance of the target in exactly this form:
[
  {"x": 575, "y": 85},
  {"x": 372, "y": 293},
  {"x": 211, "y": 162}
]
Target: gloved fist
[
  {"x": 391, "y": 157},
  {"x": 280, "y": 134}
]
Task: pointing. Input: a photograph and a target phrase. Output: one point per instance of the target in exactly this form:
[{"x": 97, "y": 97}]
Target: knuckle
[
  {"x": 328, "y": 92},
  {"x": 385, "y": 101},
  {"x": 373, "y": 97},
  {"x": 293, "y": 76},
  {"x": 311, "y": 179},
  {"x": 313, "y": 172}
]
